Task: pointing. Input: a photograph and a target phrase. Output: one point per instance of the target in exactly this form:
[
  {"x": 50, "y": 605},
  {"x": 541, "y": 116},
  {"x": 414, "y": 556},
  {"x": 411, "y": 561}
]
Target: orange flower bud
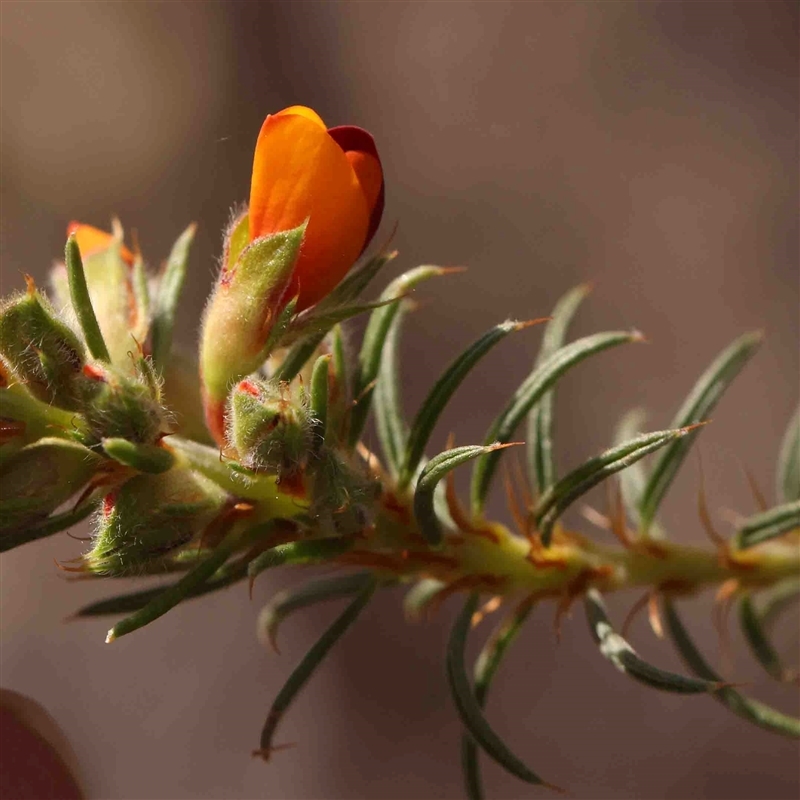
[
  {"x": 331, "y": 178},
  {"x": 92, "y": 240}
]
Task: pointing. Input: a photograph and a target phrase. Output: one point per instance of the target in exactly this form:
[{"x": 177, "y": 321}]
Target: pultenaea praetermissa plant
[{"x": 101, "y": 417}]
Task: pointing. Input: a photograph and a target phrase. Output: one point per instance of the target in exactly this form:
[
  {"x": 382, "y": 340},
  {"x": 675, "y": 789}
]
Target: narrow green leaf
[
  {"x": 624, "y": 657},
  {"x": 768, "y": 525},
  {"x": 558, "y": 498},
  {"x": 758, "y": 713},
  {"x": 287, "y": 602},
  {"x": 485, "y": 668},
  {"x": 339, "y": 362},
  {"x": 632, "y": 480},
  {"x": 540, "y": 417},
  {"x": 227, "y": 574},
  {"x": 338, "y": 387},
  {"x": 355, "y": 283},
  {"x": 46, "y": 527},
  {"x": 788, "y": 474},
  {"x": 143, "y": 457},
  {"x": 434, "y": 471},
  {"x": 420, "y": 595},
  {"x": 281, "y": 330},
  {"x": 389, "y": 419},
  {"x": 696, "y": 408},
  {"x": 297, "y": 357},
  {"x": 319, "y": 394},
  {"x": 347, "y": 291},
  {"x": 776, "y": 599},
  {"x": 528, "y": 394},
  {"x": 169, "y": 293},
  {"x": 313, "y": 322},
  {"x": 298, "y": 553},
  {"x": 189, "y": 585},
  {"x": 81, "y": 302},
  {"x": 310, "y": 662},
  {"x": 468, "y": 708},
  {"x": 438, "y": 397},
  {"x": 372, "y": 346},
  {"x": 757, "y": 639}
]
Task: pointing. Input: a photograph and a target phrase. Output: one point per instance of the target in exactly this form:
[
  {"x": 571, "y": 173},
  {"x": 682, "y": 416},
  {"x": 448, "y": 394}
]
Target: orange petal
[
  {"x": 299, "y": 174},
  {"x": 93, "y": 240},
  {"x": 302, "y": 111},
  {"x": 353, "y": 139},
  {"x": 369, "y": 173}
]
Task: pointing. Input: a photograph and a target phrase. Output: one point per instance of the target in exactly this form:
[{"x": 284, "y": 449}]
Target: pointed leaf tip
[
  {"x": 533, "y": 388},
  {"x": 555, "y": 501},
  {"x": 702, "y": 399},
  {"x": 82, "y": 302},
  {"x": 305, "y": 669},
  {"x": 529, "y": 323},
  {"x": 468, "y": 707},
  {"x": 436, "y": 469},
  {"x": 441, "y": 393},
  {"x": 758, "y": 713},
  {"x": 620, "y": 653}
]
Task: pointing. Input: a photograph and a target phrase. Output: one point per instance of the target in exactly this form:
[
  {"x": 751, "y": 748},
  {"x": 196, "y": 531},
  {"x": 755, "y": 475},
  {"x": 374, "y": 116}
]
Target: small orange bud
[{"x": 92, "y": 240}]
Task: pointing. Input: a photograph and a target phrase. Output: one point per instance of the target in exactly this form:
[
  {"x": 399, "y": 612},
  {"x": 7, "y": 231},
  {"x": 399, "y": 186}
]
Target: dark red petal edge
[{"x": 351, "y": 137}]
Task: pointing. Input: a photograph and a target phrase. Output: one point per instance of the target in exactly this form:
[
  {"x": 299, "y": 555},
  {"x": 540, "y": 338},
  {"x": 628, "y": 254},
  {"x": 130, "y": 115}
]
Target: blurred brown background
[{"x": 648, "y": 147}]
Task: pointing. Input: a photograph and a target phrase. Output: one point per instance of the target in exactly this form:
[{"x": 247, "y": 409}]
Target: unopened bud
[
  {"x": 244, "y": 307},
  {"x": 149, "y": 518},
  {"x": 40, "y": 477},
  {"x": 108, "y": 267},
  {"x": 269, "y": 429},
  {"x": 41, "y": 350},
  {"x": 121, "y": 407}
]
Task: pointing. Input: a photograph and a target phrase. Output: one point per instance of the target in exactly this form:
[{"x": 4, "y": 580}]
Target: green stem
[
  {"x": 40, "y": 419},
  {"x": 262, "y": 489},
  {"x": 493, "y": 556}
]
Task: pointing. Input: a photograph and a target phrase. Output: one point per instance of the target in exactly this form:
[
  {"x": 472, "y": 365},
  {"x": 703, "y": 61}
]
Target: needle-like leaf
[
  {"x": 528, "y": 394},
  {"x": 169, "y": 293},
  {"x": 624, "y": 657},
  {"x": 434, "y": 471},
  {"x": 468, "y": 707},
  {"x": 305, "y": 669},
  {"x": 287, "y": 602},
  {"x": 788, "y": 473},
  {"x": 389, "y": 419},
  {"x": 227, "y": 574},
  {"x": 540, "y": 418},
  {"x": 374, "y": 338},
  {"x": 420, "y": 595},
  {"x": 298, "y": 553},
  {"x": 558, "y": 498},
  {"x": 696, "y": 408},
  {"x": 756, "y": 637},
  {"x": 768, "y": 525},
  {"x": 485, "y": 668},
  {"x": 319, "y": 395},
  {"x": 168, "y": 598},
  {"x": 758, "y": 713},
  {"x": 82, "y": 303},
  {"x": 443, "y": 390}
]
